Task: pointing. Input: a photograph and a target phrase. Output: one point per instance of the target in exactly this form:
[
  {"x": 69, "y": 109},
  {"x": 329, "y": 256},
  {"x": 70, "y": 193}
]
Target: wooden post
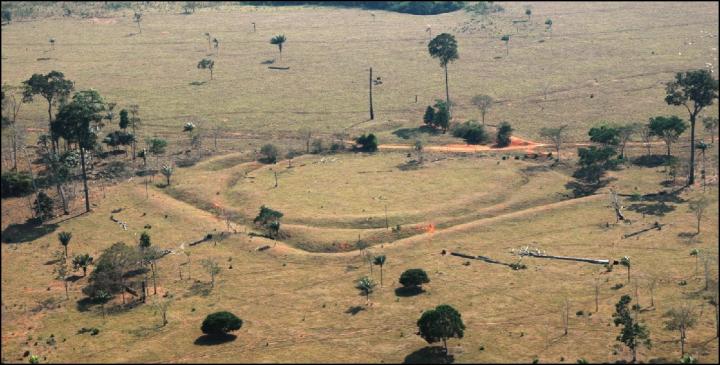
[
  {"x": 387, "y": 226},
  {"x": 276, "y": 180},
  {"x": 372, "y": 114}
]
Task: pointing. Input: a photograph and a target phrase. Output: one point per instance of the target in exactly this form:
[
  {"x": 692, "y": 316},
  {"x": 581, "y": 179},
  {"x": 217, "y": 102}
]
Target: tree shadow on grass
[
  {"x": 26, "y": 232},
  {"x": 651, "y": 160},
  {"x": 198, "y": 83},
  {"x": 408, "y": 292},
  {"x": 429, "y": 355},
  {"x": 211, "y": 340},
  {"x": 408, "y": 133},
  {"x": 355, "y": 310},
  {"x": 659, "y": 209}
]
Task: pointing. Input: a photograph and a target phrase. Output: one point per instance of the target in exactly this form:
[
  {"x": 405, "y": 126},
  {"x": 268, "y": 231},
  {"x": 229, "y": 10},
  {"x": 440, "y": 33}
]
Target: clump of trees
[
  {"x": 504, "y": 133},
  {"x": 437, "y": 117},
  {"x": 269, "y": 220},
  {"x": 366, "y": 143},
  {"x": 16, "y": 184},
  {"x": 471, "y": 132}
]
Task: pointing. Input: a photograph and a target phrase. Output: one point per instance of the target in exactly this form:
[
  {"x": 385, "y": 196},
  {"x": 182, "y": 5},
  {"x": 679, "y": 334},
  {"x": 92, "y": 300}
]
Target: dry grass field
[{"x": 297, "y": 298}]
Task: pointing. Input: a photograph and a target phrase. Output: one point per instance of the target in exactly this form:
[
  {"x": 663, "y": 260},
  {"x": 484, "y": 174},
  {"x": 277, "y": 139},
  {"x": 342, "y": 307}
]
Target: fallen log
[
  {"x": 278, "y": 68},
  {"x": 657, "y": 226},
  {"x": 568, "y": 258},
  {"x": 481, "y": 258}
]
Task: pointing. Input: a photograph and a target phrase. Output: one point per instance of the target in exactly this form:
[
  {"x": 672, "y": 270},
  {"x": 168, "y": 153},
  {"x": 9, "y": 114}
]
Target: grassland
[
  {"x": 601, "y": 61},
  {"x": 297, "y": 298}
]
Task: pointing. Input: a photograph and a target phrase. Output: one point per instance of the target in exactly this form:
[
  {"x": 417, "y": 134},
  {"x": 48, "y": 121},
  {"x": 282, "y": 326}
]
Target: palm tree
[
  {"x": 380, "y": 260},
  {"x": 695, "y": 252},
  {"x": 82, "y": 261},
  {"x": 279, "y": 40},
  {"x": 444, "y": 48},
  {"x": 366, "y": 285},
  {"x": 64, "y": 238},
  {"x": 625, "y": 261}
]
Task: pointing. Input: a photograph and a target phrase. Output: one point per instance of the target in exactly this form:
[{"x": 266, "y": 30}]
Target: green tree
[
  {"x": 269, "y": 219},
  {"x": 503, "y": 135},
  {"x": 429, "y": 116},
  {"x": 190, "y": 6},
  {"x": 82, "y": 262},
  {"x": 698, "y": 207},
  {"x": 441, "y": 118},
  {"x": 156, "y": 146},
  {"x": 367, "y": 143},
  {"x": 135, "y": 123},
  {"x": 380, "y": 261},
  {"x": 694, "y": 90},
  {"x": 366, "y": 286},
  {"x": 167, "y": 171},
  {"x": 279, "y": 40},
  {"x": 43, "y": 207},
  {"x": 444, "y": 48},
  {"x": 605, "y": 134},
  {"x": 625, "y": 261},
  {"x": 696, "y": 253},
  {"x": 110, "y": 269},
  {"x": 144, "y": 241},
  {"x": 54, "y": 88},
  {"x": 555, "y": 136},
  {"x": 441, "y": 324},
  {"x": 6, "y": 16},
  {"x": 124, "y": 119},
  {"x": 64, "y": 238},
  {"x": 414, "y": 278},
  {"x": 207, "y": 64},
  {"x": 680, "y": 319},
  {"x": 101, "y": 297},
  {"x": 625, "y": 133},
  {"x": 269, "y": 153},
  {"x": 668, "y": 129},
  {"x": 484, "y": 103},
  {"x": 506, "y": 39},
  {"x": 220, "y": 323},
  {"x": 632, "y": 334},
  {"x": 212, "y": 267},
  {"x": 549, "y": 24},
  {"x": 79, "y": 120}
]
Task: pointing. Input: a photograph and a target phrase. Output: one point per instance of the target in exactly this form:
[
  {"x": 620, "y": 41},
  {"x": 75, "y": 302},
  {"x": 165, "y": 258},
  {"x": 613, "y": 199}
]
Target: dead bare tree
[
  {"x": 617, "y": 206},
  {"x": 652, "y": 282}
]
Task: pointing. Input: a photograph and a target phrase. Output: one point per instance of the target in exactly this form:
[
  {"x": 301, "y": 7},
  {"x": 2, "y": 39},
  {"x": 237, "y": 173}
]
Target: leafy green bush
[
  {"x": 16, "y": 184},
  {"x": 503, "y": 134},
  {"x": 367, "y": 143},
  {"x": 471, "y": 132},
  {"x": 220, "y": 323}
]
